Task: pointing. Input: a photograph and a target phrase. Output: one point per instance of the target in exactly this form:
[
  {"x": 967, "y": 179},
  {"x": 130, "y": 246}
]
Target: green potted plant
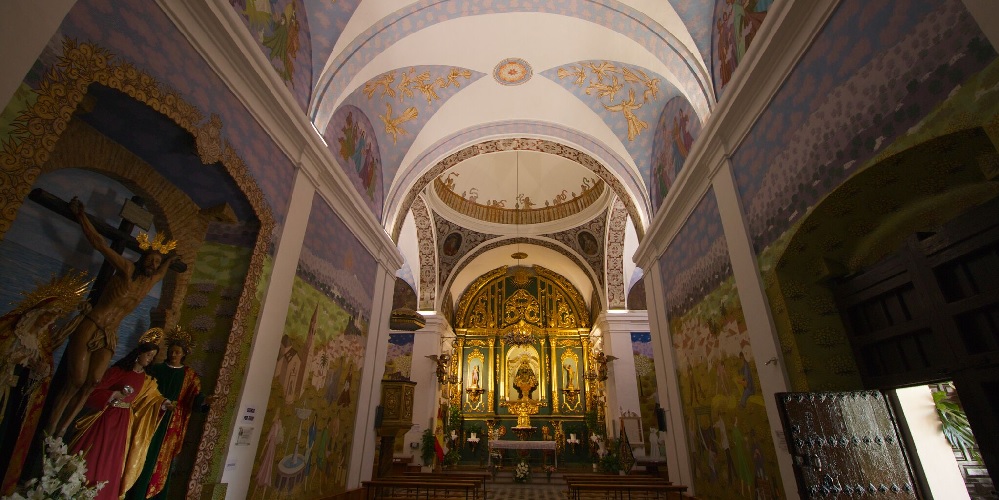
[
  {"x": 610, "y": 462},
  {"x": 427, "y": 443}
]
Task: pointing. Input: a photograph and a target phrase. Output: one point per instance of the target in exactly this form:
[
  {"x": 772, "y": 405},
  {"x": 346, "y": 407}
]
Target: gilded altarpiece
[{"x": 500, "y": 374}]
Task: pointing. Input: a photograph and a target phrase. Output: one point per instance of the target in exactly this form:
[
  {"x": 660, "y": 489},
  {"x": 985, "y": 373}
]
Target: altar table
[{"x": 523, "y": 445}]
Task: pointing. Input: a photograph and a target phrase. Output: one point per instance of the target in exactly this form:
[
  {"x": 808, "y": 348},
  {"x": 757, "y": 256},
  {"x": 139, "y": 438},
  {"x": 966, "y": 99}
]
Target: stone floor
[{"x": 505, "y": 488}]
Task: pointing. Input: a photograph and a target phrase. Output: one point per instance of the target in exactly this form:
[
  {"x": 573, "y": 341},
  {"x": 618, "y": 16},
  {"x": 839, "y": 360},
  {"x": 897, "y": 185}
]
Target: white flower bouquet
[
  {"x": 522, "y": 472},
  {"x": 63, "y": 476}
]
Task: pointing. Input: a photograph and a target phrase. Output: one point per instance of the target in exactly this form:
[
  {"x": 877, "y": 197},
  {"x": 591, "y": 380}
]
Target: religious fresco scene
[
  {"x": 645, "y": 373},
  {"x": 205, "y": 207},
  {"x": 311, "y": 412},
  {"x": 727, "y": 428}
]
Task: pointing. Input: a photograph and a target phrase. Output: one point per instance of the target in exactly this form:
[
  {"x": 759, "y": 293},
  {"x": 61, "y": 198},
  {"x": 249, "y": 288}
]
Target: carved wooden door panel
[{"x": 845, "y": 445}]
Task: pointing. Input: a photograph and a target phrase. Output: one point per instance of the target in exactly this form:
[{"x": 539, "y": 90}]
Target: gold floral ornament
[
  {"x": 157, "y": 245},
  {"x": 152, "y": 336},
  {"x": 63, "y": 293}
]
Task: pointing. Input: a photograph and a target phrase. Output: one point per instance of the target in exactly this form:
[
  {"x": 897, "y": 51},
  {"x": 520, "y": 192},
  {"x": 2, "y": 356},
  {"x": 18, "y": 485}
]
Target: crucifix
[{"x": 120, "y": 286}]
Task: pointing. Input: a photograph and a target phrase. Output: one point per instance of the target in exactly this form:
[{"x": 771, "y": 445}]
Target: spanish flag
[{"x": 439, "y": 434}]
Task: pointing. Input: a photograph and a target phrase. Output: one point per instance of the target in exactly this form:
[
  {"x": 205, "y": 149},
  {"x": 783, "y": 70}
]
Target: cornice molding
[
  {"x": 610, "y": 322},
  {"x": 786, "y": 34},
  {"x": 218, "y": 34}
]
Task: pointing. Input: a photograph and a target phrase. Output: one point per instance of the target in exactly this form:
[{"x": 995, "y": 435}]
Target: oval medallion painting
[
  {"x": 451, "y": 244},
  {"x": 512, "y": 71},
  {"x": 587, "y": 243}
]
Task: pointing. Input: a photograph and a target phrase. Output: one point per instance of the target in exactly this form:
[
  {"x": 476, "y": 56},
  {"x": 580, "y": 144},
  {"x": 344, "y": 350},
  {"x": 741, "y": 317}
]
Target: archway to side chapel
[{"x": 892, "y": 281}]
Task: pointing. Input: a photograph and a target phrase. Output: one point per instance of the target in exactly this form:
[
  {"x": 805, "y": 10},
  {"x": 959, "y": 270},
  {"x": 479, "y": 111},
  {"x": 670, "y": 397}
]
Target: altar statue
[{"x": 525, "y": 380}]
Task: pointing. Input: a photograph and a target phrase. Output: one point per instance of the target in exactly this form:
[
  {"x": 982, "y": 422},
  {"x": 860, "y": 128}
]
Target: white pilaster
[
  {"x": 622, "y": 383},
  {"x": 369, "y": 394},
  {"x": 756, "y": 309},
  {"x": 259, "y": 373},
  {"x": 426, "y": 342},
  {"x": 677, "y": 451}
]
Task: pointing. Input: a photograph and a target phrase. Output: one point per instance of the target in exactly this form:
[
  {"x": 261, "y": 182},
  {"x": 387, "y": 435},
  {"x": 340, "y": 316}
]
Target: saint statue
[
  {"x": 28, "y": 337},
  {"x": 570, "y": 376},
  {"x": 525, "y": 380},
  {"x": 475, "y": 378},
  {"x": 93, "y": 342}
]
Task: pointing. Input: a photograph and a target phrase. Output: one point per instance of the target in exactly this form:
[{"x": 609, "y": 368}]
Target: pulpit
[{"x": 396, "y": 419}]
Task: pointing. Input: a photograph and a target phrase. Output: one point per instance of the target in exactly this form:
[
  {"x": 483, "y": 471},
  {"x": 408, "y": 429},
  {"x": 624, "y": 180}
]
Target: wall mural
[
  {"x": 355, "y": 147},
  {"x": 147, "y": 40},
  {"x": 675, "y": 135},
  {"x": 627, "y": 97},
  {"x": 903, "y": 65},
  {"x": 281, "y": 27},
  {"x": 398, "y": 103},
  {"x": 399, "y": 360},
  {"x": 645, "y": 372},
  {"x": 309, "y": 425},
  {"x": 736, "y": 24},
  {"x": 726, "y": 424}
]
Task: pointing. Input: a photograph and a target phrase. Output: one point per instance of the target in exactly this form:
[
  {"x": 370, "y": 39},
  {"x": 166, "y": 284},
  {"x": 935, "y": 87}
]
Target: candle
[
  {"x": 473, "y": 435},
  {"x": 572, "y": 437}
]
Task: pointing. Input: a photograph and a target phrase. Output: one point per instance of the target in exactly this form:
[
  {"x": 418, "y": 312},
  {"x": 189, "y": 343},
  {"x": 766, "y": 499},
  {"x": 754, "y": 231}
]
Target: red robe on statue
[{"x": 115, "y": 438}]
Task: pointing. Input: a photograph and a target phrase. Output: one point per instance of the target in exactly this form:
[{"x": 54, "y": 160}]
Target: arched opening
[{"x": 890, "y": 282}]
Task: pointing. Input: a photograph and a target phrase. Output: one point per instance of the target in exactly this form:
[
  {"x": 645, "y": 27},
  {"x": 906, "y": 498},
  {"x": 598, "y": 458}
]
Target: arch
[
  {"x": 865, "y": 219},
  {"x": 511, "y": 144},
  {"x": 540, "y": 241}
]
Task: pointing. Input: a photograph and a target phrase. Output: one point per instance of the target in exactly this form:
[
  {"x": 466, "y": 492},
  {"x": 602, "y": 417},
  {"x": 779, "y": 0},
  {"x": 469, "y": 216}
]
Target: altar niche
[{"x": 530, "y": 389}]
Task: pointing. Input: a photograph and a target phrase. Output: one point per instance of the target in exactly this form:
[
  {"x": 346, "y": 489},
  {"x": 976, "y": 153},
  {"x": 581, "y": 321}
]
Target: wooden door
[{"x": 845, "y": 445}]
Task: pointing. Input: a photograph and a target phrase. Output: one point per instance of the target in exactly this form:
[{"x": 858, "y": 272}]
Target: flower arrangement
[
  {"x": 522, "y": 473},
  {"x": 63, "y": 476},
  {"x": 549, "y": 469}
]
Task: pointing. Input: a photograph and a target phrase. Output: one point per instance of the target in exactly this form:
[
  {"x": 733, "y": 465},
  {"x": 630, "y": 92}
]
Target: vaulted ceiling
[{"x": 476, "y": 129}]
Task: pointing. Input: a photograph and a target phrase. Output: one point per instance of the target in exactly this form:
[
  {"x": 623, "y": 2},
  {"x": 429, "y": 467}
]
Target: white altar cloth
[{"x": 523, "y": 445}]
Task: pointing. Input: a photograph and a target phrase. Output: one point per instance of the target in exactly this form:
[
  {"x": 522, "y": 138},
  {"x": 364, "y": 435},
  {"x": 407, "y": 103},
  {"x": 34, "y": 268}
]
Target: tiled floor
[{"x": 535, "y": 490}]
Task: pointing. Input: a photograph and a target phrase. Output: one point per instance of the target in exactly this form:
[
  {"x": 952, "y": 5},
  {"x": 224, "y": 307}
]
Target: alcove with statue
[{"x": 528, "y": 381}]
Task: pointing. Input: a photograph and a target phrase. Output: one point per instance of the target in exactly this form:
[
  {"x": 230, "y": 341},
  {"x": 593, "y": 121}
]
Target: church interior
[{"x": 749, "y": 246}]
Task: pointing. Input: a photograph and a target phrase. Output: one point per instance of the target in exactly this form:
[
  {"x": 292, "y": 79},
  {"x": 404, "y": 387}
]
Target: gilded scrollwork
[
  {"x": 521, "y": 305},
  {"x": 473, "y": 291}
]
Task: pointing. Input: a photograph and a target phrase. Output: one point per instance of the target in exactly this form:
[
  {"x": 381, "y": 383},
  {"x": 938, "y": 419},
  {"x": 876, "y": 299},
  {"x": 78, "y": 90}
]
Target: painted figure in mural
[
  {"x": 92, "y": 343},
  {"x": 721, "y": 434},
  {"x": 343, "y": 400},
  {"x": 743, "y": 470},
  {"x": 265, "y": 474},
  {"x": 746, "y": 374},
  {"x": 126, "y": 408},
  {"x": 182, "y": 385},
  {"x": 283, "y": 41},
  {"x": 525, "y": 381},
  {"x": 28, "y": 338}
]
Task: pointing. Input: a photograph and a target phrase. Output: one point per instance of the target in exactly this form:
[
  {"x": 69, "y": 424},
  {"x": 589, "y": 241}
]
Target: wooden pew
[
  {"x": 610, "y": 478},
  {"x": 622, "y": 487},
  {"x": 404, "y": 488},
  {"x": 482, "y": 477}
]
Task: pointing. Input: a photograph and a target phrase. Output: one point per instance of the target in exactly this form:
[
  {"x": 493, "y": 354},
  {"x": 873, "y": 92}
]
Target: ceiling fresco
[{"x": 404, "y": 93}]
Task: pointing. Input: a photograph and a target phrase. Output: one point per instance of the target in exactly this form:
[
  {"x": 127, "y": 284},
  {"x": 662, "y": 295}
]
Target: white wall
[{"x": 935, "y": 454}]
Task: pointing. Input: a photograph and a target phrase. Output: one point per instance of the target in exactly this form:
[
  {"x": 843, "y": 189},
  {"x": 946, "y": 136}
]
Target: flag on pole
[
  {"x": 439, "y": 447},
  {"x": 625, "y": 451}
]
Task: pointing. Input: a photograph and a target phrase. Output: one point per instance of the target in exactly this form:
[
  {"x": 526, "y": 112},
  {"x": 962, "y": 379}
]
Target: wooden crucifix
[{"x": 125, "y": 284}]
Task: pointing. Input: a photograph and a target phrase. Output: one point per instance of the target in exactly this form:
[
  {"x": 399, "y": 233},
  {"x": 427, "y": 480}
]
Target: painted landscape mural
[
  {"x": 645, "y": 372},
  {"x": 726, "y": 425},
  {"x": 307, "y": 435}
]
